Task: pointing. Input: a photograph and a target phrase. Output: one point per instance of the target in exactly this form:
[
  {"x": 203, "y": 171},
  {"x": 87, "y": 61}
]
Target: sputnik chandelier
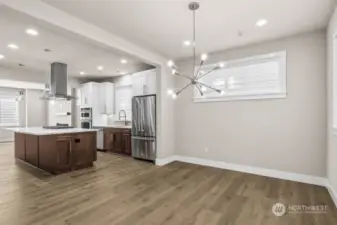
[{"x": 197, "y": 73}]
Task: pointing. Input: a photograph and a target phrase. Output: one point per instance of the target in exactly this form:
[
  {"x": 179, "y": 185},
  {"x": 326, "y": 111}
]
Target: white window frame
[
  {"x": 281, "y": 58},
  {"x": 334, "y": 84}
]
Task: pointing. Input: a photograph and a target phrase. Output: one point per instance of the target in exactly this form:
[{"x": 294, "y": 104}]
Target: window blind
[
  {"x": 256, "y": 76},
  {"x": 9, "y": 108}
]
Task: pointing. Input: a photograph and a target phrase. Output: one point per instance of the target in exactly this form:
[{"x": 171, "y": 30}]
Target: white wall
[
  {"x": 332, "y": 138},
  {"x": 22, "y": 74},
  {"x": 165, "y": 105},
  {"x": 282, "y": 134},
  {"x": 165, "y": 114},
  {"x": 36, "y": 108}
]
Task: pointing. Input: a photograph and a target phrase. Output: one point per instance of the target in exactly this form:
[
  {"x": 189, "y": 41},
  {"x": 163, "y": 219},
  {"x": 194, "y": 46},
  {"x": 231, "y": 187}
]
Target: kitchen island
[{"x": 56, "y": 150}]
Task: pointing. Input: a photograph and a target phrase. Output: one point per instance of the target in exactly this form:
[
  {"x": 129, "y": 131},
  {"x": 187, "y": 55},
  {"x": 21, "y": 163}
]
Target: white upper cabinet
[
  {"x": 106, "y": 99},
  {"x": 89, "y": 93},
  {"x": 144, "y": 83},
  {"x": 151, "y": 84},
  {"x": 138, "y": 83},
  {"x": 86, "y": 91},
  {"x": 99, "y": 96}
]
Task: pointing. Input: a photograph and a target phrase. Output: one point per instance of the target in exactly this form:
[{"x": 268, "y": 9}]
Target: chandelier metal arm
[
  {"x": 197, "y": 73},
  {"x": 199, "y": 89},
  {"x": 187, "y": 77},
  {"x": 183, "y": 88},
  {"x": 202, "y": 75},
  {"x": 210, "y": 87}
]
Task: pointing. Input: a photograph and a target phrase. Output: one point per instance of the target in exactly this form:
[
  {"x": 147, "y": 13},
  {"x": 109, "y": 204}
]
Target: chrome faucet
[{"x": 119, "y": 116}]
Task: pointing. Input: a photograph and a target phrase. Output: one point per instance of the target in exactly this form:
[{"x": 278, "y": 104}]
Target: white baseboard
[
  {"x": 164, "y": 161},
  {"x": 332, "y": 192},
  {"x": 321, "y": 181},
  {"x": 315, "y": 180}
]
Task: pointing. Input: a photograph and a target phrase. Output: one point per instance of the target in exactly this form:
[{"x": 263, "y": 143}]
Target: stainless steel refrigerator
[{"x": 144, "y": 127}]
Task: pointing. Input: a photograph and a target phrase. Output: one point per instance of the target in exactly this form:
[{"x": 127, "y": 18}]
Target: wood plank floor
[{"x": 120, "y": 190}]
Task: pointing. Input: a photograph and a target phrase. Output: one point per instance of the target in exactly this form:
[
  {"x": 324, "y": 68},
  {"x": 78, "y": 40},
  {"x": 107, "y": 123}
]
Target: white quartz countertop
[
  {"x": 43, "y": 131},
  {"x": 113, "y": 126}
]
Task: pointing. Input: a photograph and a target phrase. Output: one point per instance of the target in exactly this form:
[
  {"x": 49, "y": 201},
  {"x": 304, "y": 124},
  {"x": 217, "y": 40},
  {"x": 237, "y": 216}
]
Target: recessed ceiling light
[
  {"x": 82, "y": 73},
  {"x": 2, "y": 56},
  {"x": 13, "y": 46},
  {"x": 187, "y": 43},
  {"x": 124, "y": 61},
  {"x": 32, "y": 32},
  {"x": 122, "y": 72},
  {"x": 170, "y": 63},
  {"x": 100, "y": 68},
  {"x": 261, "y": 22},
  {"x": 204, "y": 57}
]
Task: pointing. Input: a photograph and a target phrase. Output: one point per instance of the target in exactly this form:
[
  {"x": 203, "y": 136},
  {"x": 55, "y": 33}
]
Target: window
[
  {"x": 9, "y": 107},
  {"x": 334, "y": 78},
  {"x": 258, "y": 77}
]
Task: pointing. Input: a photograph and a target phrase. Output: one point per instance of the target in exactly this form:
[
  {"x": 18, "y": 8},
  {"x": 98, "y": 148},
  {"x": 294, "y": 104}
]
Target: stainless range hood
[{"x": 59, "y": 83}]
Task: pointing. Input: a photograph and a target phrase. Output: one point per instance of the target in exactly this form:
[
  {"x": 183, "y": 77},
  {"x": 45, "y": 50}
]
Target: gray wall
[
  {"x": 332, "y": 138},
  {"x": 282, "y": 134}
]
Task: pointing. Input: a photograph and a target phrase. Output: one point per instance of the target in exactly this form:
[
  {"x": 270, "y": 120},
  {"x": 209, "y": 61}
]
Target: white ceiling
[
  {"x": 79, "y": 53},
  {"x": 162, "y": 25}
]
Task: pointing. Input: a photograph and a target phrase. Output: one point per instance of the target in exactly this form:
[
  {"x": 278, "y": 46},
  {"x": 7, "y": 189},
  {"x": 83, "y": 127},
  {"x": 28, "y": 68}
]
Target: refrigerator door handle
[{"x": 144, "y": 138}]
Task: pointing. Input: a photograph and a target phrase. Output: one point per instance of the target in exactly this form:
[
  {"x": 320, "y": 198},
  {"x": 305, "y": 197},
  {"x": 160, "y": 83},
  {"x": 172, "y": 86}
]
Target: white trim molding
[
  {"x": 308, "y": 179},
  {"x": 332, "y": 191},
  {"x": 321, "y": 181},
  {"x": 165, "y": 161},
  {"x": 279, "y": 91},
  {"x": 241, "y": 98}
]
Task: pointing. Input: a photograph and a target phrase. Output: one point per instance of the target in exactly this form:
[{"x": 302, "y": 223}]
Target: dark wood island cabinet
[
  {"x": 117, "y": 140},
  {"x": 57, "y": 152}
]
